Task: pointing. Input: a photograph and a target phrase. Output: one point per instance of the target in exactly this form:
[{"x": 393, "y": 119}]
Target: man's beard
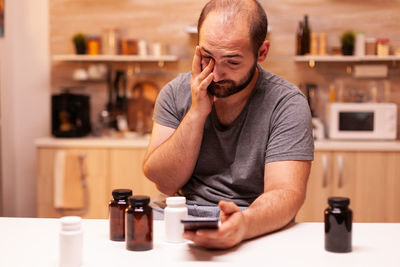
[{"x": 227, "y": 88}]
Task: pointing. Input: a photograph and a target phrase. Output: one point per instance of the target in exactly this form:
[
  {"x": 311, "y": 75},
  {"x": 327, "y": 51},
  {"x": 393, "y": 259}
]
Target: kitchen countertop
[
  {"x": 34, "y": 242},
  {"x": 333, "y": 145},
  {"x": 133, "y": 141},
  {"x": 141, "y": 141}
]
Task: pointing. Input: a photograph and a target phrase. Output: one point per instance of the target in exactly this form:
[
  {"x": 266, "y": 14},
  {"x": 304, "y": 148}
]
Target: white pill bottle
[
  {"x": 71, "y": 242},
  {"x": 175, "y": 211}
]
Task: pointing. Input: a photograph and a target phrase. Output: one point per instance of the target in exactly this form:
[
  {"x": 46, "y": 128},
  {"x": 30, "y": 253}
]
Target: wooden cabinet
[
  {"x": 72, "y": 181},
  {"x": 126, "y": 172},
  {"x": 370, "y": 179}
]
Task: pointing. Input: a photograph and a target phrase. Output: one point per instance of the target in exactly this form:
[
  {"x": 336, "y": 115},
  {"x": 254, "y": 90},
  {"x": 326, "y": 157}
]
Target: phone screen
[{"x": 194, "y": 224}]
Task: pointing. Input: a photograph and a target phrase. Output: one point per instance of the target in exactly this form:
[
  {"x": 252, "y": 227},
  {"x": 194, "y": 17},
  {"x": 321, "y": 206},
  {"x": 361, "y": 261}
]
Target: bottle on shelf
[
  {"x": 360, "y": 44},
  {"x": 305, "y": 44},
  {"x": 299, "y": 36},
  {"x": 322, "y": 44},
  {"x": 314, "y": 44}
]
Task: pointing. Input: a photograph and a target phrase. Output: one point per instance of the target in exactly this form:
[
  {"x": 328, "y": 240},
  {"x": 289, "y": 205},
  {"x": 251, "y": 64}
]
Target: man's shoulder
[
  {"x": 180, "y": 83},
  {"x": 273, "y": 82}
]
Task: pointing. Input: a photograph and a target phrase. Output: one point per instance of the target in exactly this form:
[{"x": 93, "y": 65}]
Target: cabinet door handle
[
  {"x": 324, "y": 171},
  {"x": 340, "y": 170}
]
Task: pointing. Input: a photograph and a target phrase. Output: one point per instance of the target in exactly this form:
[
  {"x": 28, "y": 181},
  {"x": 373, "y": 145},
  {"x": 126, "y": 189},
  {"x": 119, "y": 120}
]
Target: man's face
[{"x": 229, "y": 46}]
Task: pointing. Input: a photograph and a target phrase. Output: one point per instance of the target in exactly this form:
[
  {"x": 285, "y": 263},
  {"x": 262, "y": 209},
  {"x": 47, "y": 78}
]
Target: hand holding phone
[{"x": 194, "y": 224}]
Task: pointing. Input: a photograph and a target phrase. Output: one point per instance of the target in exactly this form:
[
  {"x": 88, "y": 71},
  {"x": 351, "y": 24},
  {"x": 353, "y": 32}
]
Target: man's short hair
[{"x": 238, "y": 9}]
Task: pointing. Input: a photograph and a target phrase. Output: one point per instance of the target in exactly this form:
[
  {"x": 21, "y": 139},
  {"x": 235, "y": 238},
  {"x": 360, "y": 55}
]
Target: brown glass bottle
[
  {"x": 117, "y": 209},
  {"x": 139, "y": 224},
  {"x": 338, "y": 225},
  {"x": 299, "y": 36},
  {"x": 305, "y": 38}
]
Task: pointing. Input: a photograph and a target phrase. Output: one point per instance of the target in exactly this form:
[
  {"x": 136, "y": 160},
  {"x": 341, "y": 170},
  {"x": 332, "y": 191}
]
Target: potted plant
[
  {"x": 348, "y": 43},
  {"x": 80, "y": 43}
]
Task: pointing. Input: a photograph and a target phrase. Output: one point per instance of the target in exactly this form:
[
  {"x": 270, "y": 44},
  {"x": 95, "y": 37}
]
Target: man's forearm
[
  {"x": 171, "y": 164},
  {"x": 271, "y": 211}
]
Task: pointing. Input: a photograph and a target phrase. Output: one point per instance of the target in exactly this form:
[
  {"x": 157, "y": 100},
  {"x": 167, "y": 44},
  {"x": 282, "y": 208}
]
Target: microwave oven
[{"x": 362, "y": 121}]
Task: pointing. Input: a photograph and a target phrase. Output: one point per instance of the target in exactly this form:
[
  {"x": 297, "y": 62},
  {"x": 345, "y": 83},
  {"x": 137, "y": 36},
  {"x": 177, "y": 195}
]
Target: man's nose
[{"x": 218, "y": 74}]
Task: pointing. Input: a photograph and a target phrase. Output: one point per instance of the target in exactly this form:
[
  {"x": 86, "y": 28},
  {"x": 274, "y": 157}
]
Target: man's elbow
[
  {"x": 151, "y": 174},
  {"x": 148, "y": 171}
]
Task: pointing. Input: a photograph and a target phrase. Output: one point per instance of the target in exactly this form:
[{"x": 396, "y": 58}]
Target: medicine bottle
[
  {"x": 338, "y": 225},
  {"x": 71, "y": 242},
  {"x": 117, "y": 209},
  {"x": 139, "y": 224},
  {"x": 173, "y": 213}
]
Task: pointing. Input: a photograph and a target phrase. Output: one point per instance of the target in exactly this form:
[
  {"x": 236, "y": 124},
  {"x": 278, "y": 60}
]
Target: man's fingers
[
  {"x": 196, "y": 63},
  {"x": 207, "y": 70},
  {"x": 206, "y": 82},
  {"x": 228, "y": 207}
]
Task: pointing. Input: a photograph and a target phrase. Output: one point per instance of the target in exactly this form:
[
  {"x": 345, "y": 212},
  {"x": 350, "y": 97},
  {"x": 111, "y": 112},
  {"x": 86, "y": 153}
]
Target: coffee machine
[{"x": 70, "y": 115}]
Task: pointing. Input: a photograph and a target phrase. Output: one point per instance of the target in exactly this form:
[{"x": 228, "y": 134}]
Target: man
[{"x": 231, "y": 136}]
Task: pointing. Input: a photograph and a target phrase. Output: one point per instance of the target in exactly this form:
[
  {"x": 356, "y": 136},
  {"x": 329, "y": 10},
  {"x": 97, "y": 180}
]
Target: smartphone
[{"x": 194, "y": 224}]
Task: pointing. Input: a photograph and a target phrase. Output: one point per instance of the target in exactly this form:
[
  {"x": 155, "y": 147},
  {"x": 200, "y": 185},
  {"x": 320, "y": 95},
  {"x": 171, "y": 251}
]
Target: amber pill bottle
[
  {"x": 139, "y": 224},
  {"x": 117, "y": 209},
  {"x": 338, "y": 225}
]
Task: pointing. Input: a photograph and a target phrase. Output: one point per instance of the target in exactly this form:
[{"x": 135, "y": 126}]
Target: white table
[{"x": 34, "y": 242}]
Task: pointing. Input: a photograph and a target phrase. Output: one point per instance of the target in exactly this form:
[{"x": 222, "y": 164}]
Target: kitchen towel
[{"x": 68, "y": 190}]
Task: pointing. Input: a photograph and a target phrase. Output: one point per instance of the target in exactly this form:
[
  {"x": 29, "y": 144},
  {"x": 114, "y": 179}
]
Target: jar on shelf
[
  {"x": 93, "y": 45},
  {"x": 109, "y": 41},
  {"x": 382, "y": 47},
  {"x": 370, "y": 46},
  {"x": 128, "y": 46}
]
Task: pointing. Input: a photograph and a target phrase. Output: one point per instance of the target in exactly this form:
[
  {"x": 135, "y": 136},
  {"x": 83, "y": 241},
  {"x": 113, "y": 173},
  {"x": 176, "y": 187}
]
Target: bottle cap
[
  {"x": 119, "y": 194},
  {"x": 138, "y": 200},
  {"x": 176, "y": 200},
  {"x": 71, "y": 223},
  {"x": 339, "y": 201}
]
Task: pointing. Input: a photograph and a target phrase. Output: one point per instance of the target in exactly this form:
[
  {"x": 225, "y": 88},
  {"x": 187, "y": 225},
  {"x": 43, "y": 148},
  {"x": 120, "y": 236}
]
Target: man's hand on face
[
  {"x": 201, "y": 79},
  {"x": 230, "y": 233}
]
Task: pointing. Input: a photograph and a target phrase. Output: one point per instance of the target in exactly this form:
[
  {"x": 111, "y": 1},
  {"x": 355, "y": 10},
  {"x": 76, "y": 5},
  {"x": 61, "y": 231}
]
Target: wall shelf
[
  {"x": 312, "y": 60},
  {"x": 115, "y": 58},
  {"x": 349, "y": 59}
]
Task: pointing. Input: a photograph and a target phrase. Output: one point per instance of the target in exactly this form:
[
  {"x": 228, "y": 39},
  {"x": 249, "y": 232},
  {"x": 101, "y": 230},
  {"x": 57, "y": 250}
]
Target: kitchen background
[{"x": 37, "y": 32}]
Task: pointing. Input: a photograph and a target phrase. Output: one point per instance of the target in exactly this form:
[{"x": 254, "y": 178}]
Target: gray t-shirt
[{"x": 274, "y": 125}]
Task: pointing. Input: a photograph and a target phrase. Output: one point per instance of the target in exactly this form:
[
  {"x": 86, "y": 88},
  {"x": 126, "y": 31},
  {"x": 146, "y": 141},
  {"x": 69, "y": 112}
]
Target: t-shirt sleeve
[
  {"x": 291, "y": 136},
  {"x": 165, "y": 111}
]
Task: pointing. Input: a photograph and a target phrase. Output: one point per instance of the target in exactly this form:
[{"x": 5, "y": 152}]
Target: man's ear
[{"x": 263, "y": 51}]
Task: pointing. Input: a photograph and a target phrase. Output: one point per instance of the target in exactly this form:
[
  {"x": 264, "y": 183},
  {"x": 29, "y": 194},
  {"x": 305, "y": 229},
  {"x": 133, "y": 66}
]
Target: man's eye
[{"x": 234, "y": 63}]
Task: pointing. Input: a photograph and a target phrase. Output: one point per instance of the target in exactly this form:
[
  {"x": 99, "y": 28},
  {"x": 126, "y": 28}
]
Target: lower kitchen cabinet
[
  {"x": 72, "y": 182},
  {"x": 126, "y": 172},
  {"x": 80, "y": 181},
  {"x": 370, "y": 179}
]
